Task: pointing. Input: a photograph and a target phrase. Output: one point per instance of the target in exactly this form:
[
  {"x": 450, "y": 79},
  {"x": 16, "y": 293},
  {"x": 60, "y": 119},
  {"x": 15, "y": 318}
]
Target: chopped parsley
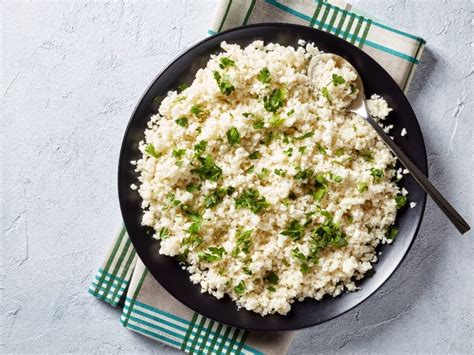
[
  {"x": 182, "y": 121},
  {"x": 244, "y": 243},
  {"x": 198, "y": 111},
  {"x": 178, "y": 153},
  {"x": 208, "y": 169},
  {"x": 276, "y": 121},
  {"x": 304, "y": 136},
  {"x": 182, "y": 87},
  {"x": 193, "y": 187},
  {"x": 215, "y": 197},
  {"x": 255, "y": 155},
  {"x": 321, "y": 149},
  {"x": 233, "y": 136},
  {"x": 267, "y": 139},
  {"x": 264, "y": 76},
  {"x": 294, "y": 230},
  {"x": 271, "y": 289},
  {"x": 251, "y": 199},
  {"x": 377, "y": 174},
  {"x": 328, "y": 234},
  {"x": 224, "y": 84},
  {"x": 337, "y": 80},
  {"x": 339, "y": 152},
  {"x": 263, "y": 173},
  {"x": 335, "y": 178},
  {"x": 259, "y": 123},
  {"x": 272, "y": 278},
  {"x": 280, "y": 172},
  {"x": 200, "y": 147},
  {"x": 250, "y": 169},
  {"x": 401, "y": 201},
  {"x": 240, "y": 288},
  {"x": 367, "y": 155},
  {"x": 392, "y": 233},
  {"x": 289, "y": 113},
  {"x": 325, "y": 92},
  {"x": 276, "y": 100},
  {"x": 226, "y": 62},
  {"x": 288, "y": 152},
  {"x": 150, "y": 150},
  {"x": 321, "y": 187},
  {"x": 163, "y": 233},
  {"x": 303, "y": 174},
  {"x": 213, "y": 254},
  {"x": 362, "y": 187},
  {"x": 302, "y": 149}
]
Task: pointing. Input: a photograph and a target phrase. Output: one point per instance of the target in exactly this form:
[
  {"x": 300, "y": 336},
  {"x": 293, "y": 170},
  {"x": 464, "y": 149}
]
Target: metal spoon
[{"x": 359, "y": 107}]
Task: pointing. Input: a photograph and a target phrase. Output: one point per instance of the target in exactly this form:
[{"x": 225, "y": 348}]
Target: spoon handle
[{"x": 445, "y": 206}]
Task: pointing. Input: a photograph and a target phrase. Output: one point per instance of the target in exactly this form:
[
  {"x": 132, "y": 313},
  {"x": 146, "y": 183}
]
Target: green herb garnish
[
  {"x": 178, "y": 153},
  {"x": 150, "y": 150},
  {"x": 182, "y": 121},
  {"x": 264, "y": 76},
  {"x": 233, "y": 136},
  {"x": 304, "y": 136},
  {"x": 163, "y": 233},
  {"x": 198, "y": 111},
  {"x": 271, "y": 289},
  {"x": 255, "y": 155},
  {"x": 208, "y": 169},
  {"x": 392, "y": 233},
  {"x": 251, "y": 199},
  {"x": 213, "y": 254},
  {"x": 240, "y": 288},
  {"x": 362, "y": 187},
  {"x": 288, "y": 152},
  {"x": 272, "y": 278},
  {"x": 377, "y": 174},
  {"x": 401, "y": 201},
  {"x": 325, "y": 92},
  {"x": 224, "y": 84},
  {"x": 193, "y": 187},
  {"x": 321, "y": 149},
  {"x": 303, "y": 174},
  {"x": 226, "y": 62},
  {"x": 259, "y": 123},
  {"x": 276, "y": 121},
  {"x": 182, "y": 87},
  {"x": 280, "y": 172},
  {"x": 215, "y": 197},
  {"x": 244, "y": 243},
  {"x": 276, "y": 100},
  {"x": 337, "y": 80},
  {"x": 200, "y": 147},
  {"x": 294, "y": 230},
  {"x": 301, "y": 149},
  {"x": 339, "y": 152}
]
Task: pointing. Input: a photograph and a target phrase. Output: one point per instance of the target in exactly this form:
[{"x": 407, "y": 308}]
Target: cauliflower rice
[{"x": 266, "y": 189}]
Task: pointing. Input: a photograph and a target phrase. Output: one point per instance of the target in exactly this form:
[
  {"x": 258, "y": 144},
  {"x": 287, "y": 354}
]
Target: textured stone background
[{"x": 71, "y": 75}]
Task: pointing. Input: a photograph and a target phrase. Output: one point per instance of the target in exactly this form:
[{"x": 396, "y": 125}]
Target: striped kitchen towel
[{"x": 124, "y": 281}]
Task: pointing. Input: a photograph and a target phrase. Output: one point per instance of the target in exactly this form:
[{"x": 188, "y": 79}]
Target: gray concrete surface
[{"x": 71, "y": 75}]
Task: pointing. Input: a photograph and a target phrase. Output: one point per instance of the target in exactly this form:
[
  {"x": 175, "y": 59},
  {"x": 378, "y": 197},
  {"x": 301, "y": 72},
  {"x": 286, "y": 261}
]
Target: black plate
[{"x": 166, "y": 269}]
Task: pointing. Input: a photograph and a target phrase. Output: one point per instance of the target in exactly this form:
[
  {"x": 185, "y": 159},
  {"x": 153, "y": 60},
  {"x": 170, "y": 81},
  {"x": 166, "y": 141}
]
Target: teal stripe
[
  {"x": 157, "y": 327},
  {"x": 350, "y": 36},
  {"x": 249, "y": 12},
  {"x": 211, "y": 32},
  {"x": 115, "y": 277},
  {"x": 394, "y": 30},
  {"x": 153, "y": 335},
  {"x": 391, "y": 51},
  {"x": 181, "y": 320}
]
